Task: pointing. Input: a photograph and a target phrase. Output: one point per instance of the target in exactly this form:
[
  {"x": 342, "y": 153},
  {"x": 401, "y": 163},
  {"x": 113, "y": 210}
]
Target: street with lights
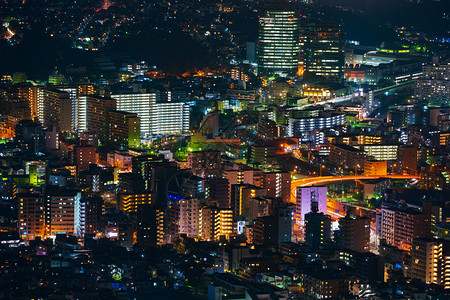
[{"x": 324, "y": 180}]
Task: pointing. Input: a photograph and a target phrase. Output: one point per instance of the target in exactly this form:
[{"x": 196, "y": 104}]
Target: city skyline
[{"x": 221, "y": 150}]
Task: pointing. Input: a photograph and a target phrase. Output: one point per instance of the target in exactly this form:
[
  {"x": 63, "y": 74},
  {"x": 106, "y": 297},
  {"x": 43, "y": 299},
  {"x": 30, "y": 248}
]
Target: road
[
  {"x": 304, "y": 182},
  {"x": 301, "y": 166},
  {"x": 336, "y": 214}
]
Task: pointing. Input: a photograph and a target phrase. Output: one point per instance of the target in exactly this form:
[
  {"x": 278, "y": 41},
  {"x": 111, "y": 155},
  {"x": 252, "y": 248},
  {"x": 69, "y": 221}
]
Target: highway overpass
[{"x": 323, "y": 180}]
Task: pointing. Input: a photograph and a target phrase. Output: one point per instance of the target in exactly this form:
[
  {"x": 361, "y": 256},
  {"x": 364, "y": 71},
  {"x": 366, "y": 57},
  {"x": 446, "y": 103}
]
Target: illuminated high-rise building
[
  {"x": 170, "y": 117},
  {"x": 323, "y": 49},
  {"x": 354, "y": 233},
  {"x": 31, "y": 215},
  {"x": 44, "y": 215},
  {"x": 124, "y": 129},
  {"x": 75, "y": 92},
  {"x": 277, "y": 185},
  {"x": 19, "y": 101},
  {"x": 54, "y": 109},
  {"x": 150, "y": 226},
  {"x": 90, "y": 211},
  {"x": 85, "y": 156},
  {"x": 243, "y": 175},
  {"x": 217, "y": 190},
  {"x": 130, "y": 202},
  {"x": 141, "y": 104},
  {"x": 400, "y": 227},
  {"x": 156, "y": 117},
  {"x": 188, "y": 217},
  {"x": 431, "y": 261},
  {"x": 63, "y": 213},
  {"x": 304, "y": 201},
  {"x": 317, "y": 227},
  {"x": 434, "y": 86},
  {"x": 215, "y": 223},
  {"x": 278, "y": 42},
  {"x": 241, "y": 195},
  {"x": 93, "y": 115},
  {"x": 380, "y": 152}
]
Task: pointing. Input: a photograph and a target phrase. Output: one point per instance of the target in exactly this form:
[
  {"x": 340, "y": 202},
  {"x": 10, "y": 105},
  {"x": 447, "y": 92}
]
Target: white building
[
  {"x": 81, "y": 113},
  {"x": 302, "y": 126},
  {"x": 170, "y": 117},
  {"x": 142, "y": 104},
  {"x": 156, "y": 118}
]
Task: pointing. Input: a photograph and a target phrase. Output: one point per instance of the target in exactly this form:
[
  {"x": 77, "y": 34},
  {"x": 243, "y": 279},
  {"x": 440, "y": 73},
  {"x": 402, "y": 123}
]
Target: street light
[
  {"x": 321, "y": 168},
  {"x": 356, "y": 173}
]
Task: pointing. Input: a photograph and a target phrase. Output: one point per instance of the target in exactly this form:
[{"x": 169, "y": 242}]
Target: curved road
[
  {"x": 304, "y": 182},
  {"x": 335, "y": 215}
]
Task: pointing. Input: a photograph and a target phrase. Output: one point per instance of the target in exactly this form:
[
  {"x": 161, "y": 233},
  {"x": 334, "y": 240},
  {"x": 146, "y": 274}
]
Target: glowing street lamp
[{"x": 356, "y": 173}]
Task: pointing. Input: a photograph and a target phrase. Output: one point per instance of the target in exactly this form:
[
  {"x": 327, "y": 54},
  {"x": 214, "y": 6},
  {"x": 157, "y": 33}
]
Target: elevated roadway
[{"x": 322, "y": 180}]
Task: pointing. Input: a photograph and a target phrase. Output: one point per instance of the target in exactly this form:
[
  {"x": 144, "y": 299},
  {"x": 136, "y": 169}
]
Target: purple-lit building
[{"x": 307, "y": 195}]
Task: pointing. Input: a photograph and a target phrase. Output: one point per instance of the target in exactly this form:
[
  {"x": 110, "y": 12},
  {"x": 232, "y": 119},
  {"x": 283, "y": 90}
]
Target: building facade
[
  {"x": 156, "y": 117},
  {"x": 124, "y": 129},
  {"x": 278, "y": 45},
  {"x": 305, "y": 198},
  {"x": 323, "y": 48}
]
